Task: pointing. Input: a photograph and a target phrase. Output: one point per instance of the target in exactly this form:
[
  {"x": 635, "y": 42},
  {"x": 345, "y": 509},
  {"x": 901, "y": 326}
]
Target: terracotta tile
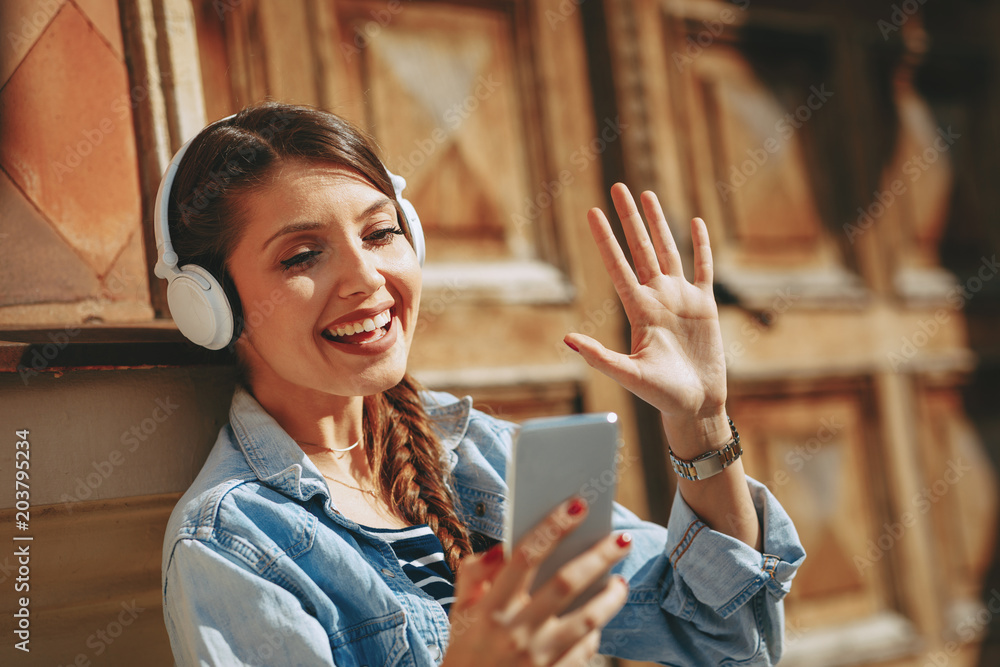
[
  {"x": 104, "y": 15},
  {"x": 66, "y": 138},
  {"x": 128, "y": 279},
  {"x": 24, "y": 21},
  {"x": 35, "y": 265}
]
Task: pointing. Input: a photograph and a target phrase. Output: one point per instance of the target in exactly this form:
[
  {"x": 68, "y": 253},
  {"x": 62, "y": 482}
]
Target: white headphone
[{"x": 197, "y": 301}]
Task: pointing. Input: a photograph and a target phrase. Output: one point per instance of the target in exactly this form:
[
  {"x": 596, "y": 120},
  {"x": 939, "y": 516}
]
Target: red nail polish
[
  {"x": 624, "y": 540},
  {"x": 571, "y": 346},
  {"x": 576, "y": 506},
  {"x": 494, "y": 555}
]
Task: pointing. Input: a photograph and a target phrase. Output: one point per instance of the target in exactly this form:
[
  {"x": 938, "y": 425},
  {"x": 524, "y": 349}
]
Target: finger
[
  {"x": 612, "y": 256},
  {"x": 643, "y": 253},
  {"x": 663, "y": 240},
  {"x": 584, "y": 625},
  {"x": 513, "y": 581},
  {"x": 704, "y": 273},
  {"x": 582, "y": 653},
  {"x": 562, "y": 590},
  {"x": 475, "y": 576},
  {"x": 619, "y": 367}
]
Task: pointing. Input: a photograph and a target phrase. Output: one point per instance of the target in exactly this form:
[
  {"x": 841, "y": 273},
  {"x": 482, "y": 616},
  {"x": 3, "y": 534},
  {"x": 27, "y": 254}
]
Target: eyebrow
[{"x": 309, "y": 226}]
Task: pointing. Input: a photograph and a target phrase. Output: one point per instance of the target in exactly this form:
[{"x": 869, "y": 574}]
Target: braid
[{"x": 408, "y": 455}]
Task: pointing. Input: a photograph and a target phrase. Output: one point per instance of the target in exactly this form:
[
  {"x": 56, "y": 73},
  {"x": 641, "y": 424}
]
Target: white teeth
[{"x": 368, "y": 324}]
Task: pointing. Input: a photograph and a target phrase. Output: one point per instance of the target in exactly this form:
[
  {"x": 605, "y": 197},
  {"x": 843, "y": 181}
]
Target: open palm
[{"x": 677, "y": 363}]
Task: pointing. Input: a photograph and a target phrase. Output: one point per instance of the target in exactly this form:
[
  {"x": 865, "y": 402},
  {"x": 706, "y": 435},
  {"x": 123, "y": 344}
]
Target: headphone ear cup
[
  {"x": 200, "y": 308},
  {"x": 415, "y": 229},
  {"x": 409, "y": 215}
]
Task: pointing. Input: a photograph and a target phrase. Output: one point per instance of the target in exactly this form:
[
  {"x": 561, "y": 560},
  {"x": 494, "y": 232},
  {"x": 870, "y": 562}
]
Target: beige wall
[
  {"x": 102, "y": 435},
  {"x": 108, "y": 463}
]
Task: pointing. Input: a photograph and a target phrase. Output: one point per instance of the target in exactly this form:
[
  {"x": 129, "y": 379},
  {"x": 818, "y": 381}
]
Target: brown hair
[{"x": 206, "y": 220}]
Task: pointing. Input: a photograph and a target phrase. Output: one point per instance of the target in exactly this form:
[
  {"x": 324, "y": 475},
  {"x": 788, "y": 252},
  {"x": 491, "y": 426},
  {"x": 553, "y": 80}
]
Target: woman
[{"x": 346, "y": 517}]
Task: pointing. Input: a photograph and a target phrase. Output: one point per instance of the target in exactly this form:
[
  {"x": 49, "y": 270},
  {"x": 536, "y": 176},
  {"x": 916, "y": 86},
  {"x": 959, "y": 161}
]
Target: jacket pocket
[{"x": 377, "y": 642}]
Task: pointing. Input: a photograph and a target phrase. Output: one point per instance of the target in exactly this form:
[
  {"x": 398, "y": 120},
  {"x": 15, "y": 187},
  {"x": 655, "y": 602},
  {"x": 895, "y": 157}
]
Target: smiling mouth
[{"x": 361, "y": 332}]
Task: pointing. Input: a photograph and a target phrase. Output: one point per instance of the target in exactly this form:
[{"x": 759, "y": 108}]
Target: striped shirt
[{"x": 421, "y": 556}]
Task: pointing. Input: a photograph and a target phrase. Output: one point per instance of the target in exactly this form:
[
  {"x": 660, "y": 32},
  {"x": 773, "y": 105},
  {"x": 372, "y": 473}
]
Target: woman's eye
[
  {"x": 300, "y": 261},
  {"x": 384, "y": 236}
]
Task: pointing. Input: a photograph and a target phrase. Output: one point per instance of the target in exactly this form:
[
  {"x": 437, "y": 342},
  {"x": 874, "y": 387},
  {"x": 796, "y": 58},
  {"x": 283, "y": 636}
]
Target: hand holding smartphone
[{"x": 553, "y": 459}]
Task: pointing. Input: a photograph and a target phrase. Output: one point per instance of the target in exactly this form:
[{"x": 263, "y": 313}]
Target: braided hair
[
  {"x": 206, "y": 219},
  {"x": 408, "y": 454}
]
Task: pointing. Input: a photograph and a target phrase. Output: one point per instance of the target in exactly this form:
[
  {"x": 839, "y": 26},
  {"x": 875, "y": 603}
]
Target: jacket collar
[{"x": 279, "y": 462}]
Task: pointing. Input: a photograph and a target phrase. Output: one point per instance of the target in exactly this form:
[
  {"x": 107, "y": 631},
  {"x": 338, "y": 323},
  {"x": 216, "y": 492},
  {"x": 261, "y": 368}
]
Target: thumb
[{"x": 617, "y": 366}]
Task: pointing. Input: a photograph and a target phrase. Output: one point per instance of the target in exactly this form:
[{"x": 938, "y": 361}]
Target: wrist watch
[{"x": 710, "y": 463}]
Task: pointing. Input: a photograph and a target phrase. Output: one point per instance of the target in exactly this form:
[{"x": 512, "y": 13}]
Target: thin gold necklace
[
  {"x": 330, "y": 449},
  {"x": 356, "y": 488}
]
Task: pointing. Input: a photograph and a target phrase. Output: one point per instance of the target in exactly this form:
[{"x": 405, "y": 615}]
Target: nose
[{"x": 359, "y": 272}]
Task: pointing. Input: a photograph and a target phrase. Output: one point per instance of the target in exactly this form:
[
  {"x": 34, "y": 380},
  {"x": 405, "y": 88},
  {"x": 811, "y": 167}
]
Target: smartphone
[{"x": 554, "y": 458}]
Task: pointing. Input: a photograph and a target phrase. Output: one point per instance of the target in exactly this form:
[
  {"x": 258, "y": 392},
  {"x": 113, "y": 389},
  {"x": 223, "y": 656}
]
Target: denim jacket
[{"x": 259, "y": 567}]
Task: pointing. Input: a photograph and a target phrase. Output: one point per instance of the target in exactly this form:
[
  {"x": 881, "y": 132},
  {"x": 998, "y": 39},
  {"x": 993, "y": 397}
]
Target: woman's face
[{"x": 322, "y": 256}]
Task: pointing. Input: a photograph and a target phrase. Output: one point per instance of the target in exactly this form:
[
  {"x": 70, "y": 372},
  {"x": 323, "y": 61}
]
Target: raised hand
[{"x": 677, "y": 363}]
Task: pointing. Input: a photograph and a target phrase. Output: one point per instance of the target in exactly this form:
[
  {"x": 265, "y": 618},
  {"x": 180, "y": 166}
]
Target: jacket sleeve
[
  {"x": 700, "y": 597},
  {"x": 260, "y": 624}
]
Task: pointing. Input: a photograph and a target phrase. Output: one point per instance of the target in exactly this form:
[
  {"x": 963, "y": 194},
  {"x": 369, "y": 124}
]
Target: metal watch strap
[{"x": 710, "y": 463}]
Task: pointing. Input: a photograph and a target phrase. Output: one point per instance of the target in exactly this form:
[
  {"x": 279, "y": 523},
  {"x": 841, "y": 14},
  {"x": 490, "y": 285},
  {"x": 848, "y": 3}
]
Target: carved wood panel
[
  {"x": 484, "y": 107},
  {"x": 843, "y": 161},
  {"x": 443, "y": 94},
  {"x": 813, "y": 450}
]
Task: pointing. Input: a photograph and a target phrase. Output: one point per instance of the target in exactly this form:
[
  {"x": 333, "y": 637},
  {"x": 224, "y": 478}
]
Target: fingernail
[
  {"x": 494, "y": 555},
  {"x": 571, "y": 346},
  {"x": 622, "y": 579},
  {"x": 576, "y": 506},
  {"x": 624, "y": 540}
]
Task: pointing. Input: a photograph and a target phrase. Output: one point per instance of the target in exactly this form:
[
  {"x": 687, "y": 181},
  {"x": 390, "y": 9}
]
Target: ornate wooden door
[
  {"x": 485, "y": 109},
  {"x": 841, "y": 156}
]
